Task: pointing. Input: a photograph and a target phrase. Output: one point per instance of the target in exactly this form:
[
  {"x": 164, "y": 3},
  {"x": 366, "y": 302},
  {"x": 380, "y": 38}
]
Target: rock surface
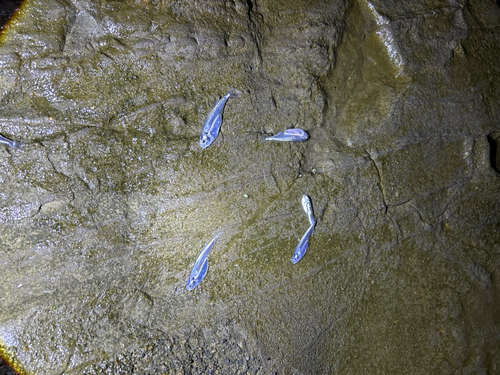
[{"x": 104, "y": 212}]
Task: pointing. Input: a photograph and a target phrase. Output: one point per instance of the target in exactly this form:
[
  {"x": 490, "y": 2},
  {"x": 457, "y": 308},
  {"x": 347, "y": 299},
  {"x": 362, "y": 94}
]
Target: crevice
[
  {"x": 420, "y": 216},
  {"x": 37, "y": 211},
  {"x": 147, "y": 296},
  {"x": 254, "y": 26},
  {"x": 271, "y": 173},
  {"x": 250, "y": 6},
  {"x": 494, "y": 142},
  {"x": 381, "y": 186},
  {"x": 460, "y": 186}
]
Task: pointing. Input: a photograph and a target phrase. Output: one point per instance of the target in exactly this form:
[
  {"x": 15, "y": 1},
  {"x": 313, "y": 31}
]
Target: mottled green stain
[
  {"x": 121, "y": 198},
  {"x": 427, "y": 165}
]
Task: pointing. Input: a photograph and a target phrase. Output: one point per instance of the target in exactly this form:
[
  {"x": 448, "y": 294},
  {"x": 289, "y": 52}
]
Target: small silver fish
[
  {"x": 213, "y": 122},
  {"x": 306, "y": 204},
  {"x": 200, "y": 267},
  {"x": 301, "y": 248},
  {"x": 289, "y": 135},
  {"x": 14, "y": 144}
]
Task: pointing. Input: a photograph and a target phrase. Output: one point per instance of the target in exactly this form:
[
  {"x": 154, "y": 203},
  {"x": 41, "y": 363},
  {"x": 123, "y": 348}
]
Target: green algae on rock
[{"x": 105, "y": 209}]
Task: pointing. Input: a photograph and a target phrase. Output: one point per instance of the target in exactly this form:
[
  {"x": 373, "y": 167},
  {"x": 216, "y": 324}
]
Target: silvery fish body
[
  {"x": 212, "y": 124},
  {"x": 10, "y": 143},
  {"x": 200, "y": 267},
  {"x": 301, "y": 248},
  {"x": 289, "y": 135},
  {"x": 306, "y": 204}
]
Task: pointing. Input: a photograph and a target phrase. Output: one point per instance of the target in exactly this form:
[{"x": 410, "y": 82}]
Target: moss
[{"x": 105, "y": 211}]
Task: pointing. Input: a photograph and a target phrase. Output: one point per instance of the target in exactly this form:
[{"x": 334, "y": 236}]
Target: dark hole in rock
[
  {"x": 494, "y": 140},
  {"x": 5, "y": 369},
  {"x": 250, "y": 5},
  {"x": 7, "y": 9}
]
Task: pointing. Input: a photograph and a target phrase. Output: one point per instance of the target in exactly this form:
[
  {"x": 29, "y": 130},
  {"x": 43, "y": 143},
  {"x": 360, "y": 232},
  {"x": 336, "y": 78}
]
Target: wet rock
[{"x": 105, "y": 210}]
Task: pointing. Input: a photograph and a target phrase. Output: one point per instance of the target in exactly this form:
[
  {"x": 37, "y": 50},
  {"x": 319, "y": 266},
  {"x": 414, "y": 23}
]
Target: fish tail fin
[
  {"x": 18, "y": 145},
  {"x": 233, "y": 93}
]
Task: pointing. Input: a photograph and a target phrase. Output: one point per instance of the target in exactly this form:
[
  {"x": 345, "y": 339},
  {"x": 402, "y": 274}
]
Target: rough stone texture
[{"x": 103, "y": 213}]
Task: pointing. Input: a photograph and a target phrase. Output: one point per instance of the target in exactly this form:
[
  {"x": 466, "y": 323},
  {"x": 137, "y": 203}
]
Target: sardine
[
  {"x": 213, "y": 122},
  {"x": 301, "y": 248},
  {"x": 289, "y": 135},
  {"x": 200, "y": 266},
  {"x": 14, "y": 144},
  {"x": 306, "y": 204}
]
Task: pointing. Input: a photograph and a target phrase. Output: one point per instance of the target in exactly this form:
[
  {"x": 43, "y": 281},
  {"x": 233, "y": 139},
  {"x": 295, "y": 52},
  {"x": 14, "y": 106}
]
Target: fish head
[
  {"x": 296, "y": 257},
  {"x": 206, "y": 140},
  {"x": 192, "y": 283},
  {"x": 306, "y": 203},
  {"x": 295, "y": 132}
]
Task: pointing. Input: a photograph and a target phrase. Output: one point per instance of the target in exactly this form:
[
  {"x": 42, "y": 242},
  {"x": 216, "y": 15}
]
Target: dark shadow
[
  {"x": 7, "y": 9},
  {"x": 5, "y": 369},
  {"x": 494, "y": 140},
  {"x": 250, "y": 5}
]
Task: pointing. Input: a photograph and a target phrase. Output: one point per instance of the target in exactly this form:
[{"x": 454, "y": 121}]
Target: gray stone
[{"x": 105, "y": 210}]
